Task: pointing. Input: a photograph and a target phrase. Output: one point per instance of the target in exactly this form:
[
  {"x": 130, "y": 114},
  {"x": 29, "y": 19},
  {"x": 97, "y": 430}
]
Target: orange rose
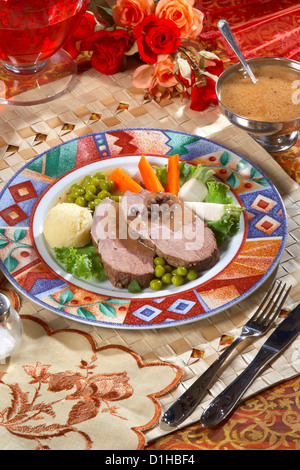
[
  {"x": 189, "y": 20},
  {"x": 164, "y": 72},
  {"x": 129, "y": 13},
  {"x": 153, "y": 76}
]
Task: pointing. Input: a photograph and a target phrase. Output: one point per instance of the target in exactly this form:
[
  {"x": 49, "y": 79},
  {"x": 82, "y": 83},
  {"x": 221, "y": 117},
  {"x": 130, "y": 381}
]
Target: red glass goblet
[{"x": 34, "y": 67}]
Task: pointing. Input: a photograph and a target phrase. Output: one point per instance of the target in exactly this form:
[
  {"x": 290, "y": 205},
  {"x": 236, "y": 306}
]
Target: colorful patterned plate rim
[{"x": 246, "y": 262}]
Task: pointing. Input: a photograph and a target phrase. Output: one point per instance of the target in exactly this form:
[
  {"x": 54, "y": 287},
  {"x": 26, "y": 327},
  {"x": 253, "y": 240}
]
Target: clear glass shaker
[{"x": 11, "y": 328}]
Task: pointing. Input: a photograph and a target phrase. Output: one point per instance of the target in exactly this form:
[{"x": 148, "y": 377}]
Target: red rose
[
  {"x": 86, "y": 26},
  {"x": 108, "y": 48},
  {"x": 156, "y": 36},
  {"x": 202, "y": 96},
  {"x": 217, "y": 68},
  {"x": 84, "y": 30}
]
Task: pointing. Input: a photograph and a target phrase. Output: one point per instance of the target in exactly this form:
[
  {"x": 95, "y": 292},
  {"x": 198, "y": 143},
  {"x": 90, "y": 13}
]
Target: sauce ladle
[{"x": 227, "y": 33}]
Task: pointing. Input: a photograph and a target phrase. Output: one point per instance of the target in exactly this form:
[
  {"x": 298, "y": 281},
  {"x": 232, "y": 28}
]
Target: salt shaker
[{"x": 11, "y": 329}]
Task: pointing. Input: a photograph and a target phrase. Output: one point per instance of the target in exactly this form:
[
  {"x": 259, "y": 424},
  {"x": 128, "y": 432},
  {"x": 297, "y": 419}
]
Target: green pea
[
  {"x": 106, "y": 185},
  {"x": 103, "y": 194},
  {"x": 75, "y": 186},
  {"x": 156, "y": 284},
  {"x": 116, "y": 198},
  {"x": 100, "y": 175},
  {"x": 112, "y": 185},
  {"x": 168, "y": 268},
  {"x": 159, "y": 271},
  {"x": 76, "y": 192},
  {"x": 70, "y": 198},
  {"x": 181, "y": 271},
  {"x": 80, "y": 201},
  {"x": 191, "y": 275},
  {"x": 91, "y": 205},
  {"x": 95, "y": 181},
  {"x": 89, "y": 196},
  {"x": 167, "y": 278},
  {"x": 97, "y": 201},
  {"x": 177, "y": 280},
  {"x": 85, "y": 184},
  {"x": 158, "y": 261},
  {"x": 91, "y": 188},
  {"x": 87, "y": 178},
  {"x": 174, "y": 271}
]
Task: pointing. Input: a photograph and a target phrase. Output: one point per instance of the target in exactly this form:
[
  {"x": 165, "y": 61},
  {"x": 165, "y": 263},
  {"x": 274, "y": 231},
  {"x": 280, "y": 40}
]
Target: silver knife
[
  {"x": 191, "y": 398},
  {"x": 281, "y": 337}
]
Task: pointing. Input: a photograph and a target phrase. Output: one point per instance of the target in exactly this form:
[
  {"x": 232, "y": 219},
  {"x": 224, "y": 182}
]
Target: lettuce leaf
[
  {"x": 217, "y": 192},
  {"x": 134, "y": 287},
  {"x": 186, "y": 171},
  {"x": 82, "y": 262},
  {"x": 228, "y": 225}
]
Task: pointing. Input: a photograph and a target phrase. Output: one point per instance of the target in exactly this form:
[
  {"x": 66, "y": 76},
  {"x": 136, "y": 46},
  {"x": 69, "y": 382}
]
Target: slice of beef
[
  {"x": 124, "y": 259},
  {"x": 174, "y": 231}
]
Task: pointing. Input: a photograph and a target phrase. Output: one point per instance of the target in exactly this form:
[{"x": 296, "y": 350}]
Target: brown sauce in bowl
[{"x": 275, "y": 96}]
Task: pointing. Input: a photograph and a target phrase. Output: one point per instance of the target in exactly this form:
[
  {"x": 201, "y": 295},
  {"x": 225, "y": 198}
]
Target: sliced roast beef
[
  {"x": 164, "y": 224},
  {"x": 124, "y": 259}
]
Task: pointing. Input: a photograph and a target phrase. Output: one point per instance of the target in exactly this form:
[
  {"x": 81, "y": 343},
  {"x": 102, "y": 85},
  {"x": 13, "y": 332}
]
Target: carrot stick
[
  {"x": 173, "y": 175},
  {"x": 124, "y": 182},
  {"x": 149, "y": 176}
]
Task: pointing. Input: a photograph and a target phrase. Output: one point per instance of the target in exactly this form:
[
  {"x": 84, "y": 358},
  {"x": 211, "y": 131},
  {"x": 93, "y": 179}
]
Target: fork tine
[
  {"x": 268, "y": 296},
  {"x": 274, "y": 308},
  {"x": 266, "y": 311},
  {"x": 279, "y": 307}
]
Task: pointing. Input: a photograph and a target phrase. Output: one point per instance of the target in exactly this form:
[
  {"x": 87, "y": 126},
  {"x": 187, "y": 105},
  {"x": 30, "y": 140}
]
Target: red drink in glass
[{"x": 33, "y": 30}]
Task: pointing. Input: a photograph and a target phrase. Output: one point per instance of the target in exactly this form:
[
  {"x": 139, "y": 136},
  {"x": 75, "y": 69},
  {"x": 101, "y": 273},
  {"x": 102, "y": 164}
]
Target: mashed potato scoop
[{"x": 68, "y": 225}]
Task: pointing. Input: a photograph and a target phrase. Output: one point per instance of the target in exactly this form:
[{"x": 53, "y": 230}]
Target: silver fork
[{"x": 257, "y": 326}]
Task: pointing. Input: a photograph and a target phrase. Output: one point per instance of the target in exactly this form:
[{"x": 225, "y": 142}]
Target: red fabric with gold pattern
[
  {"x": 261, "y": 28},
  {"x": 268, "y": 421}
]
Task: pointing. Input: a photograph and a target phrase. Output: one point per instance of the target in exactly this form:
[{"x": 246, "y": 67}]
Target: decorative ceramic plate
[{"x": 247, "y": 259}]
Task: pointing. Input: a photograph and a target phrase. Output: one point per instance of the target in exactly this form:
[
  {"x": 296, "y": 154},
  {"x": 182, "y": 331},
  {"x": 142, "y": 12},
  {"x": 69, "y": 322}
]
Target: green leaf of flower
[
  {"x": 254, "y": 173},
  {"x": 225, "y": 158},
  {"x": 117, "y": 301},
  {"x": 263, "y": 182},
  {"x": 84, "y": 313},
  {"x": 66, "y": 296},
  {"x": 242, "y": 165},
  {"x": 19, "y": 234},
  {"x": 233, "y": 180},
  {"x": 107, "y": 310},
  {"x": 3, "y": 243},
  {"x": 10, "y": 263}
]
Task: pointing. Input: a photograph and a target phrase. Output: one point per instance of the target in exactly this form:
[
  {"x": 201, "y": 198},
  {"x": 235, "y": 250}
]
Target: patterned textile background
[
  {"x": 262, "y": 28},
  {"x": 268, "y": 421}
]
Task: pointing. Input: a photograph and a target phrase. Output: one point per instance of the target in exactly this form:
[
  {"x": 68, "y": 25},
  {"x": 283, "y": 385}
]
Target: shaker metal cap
[{"x": 4, "y": 307}]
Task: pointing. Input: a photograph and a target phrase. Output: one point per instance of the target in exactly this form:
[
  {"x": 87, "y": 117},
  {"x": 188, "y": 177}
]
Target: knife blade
[
  {"x": 190, "y": 399},
  {"x": 281, "y": 337}
]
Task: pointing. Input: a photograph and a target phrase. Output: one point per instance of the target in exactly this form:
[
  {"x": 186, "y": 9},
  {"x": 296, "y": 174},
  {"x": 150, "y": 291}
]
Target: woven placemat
[{"x": 98, "y": 103}]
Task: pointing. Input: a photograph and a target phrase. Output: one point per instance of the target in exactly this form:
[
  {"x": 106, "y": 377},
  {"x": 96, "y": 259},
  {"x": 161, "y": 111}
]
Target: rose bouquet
[{"x": 163, "y": 34}]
